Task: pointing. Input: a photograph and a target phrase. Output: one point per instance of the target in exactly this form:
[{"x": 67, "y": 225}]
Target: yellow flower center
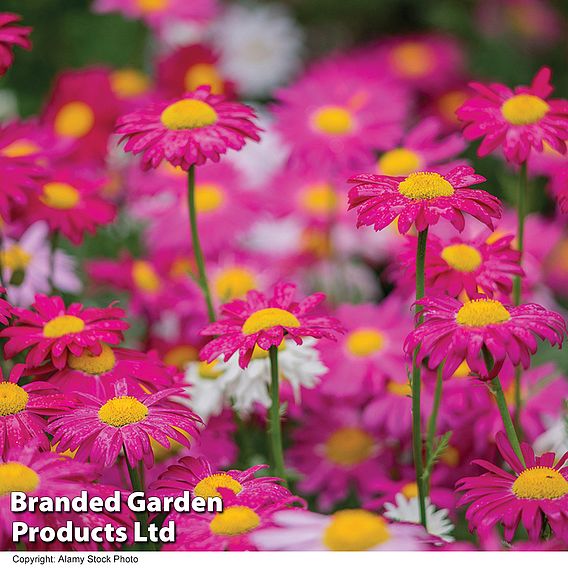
[
  {"x": 15, "y": 476},
  {"x": 129, "y": 83},
  {"x": 74, "y": 120},
  {"x": 364, "y": 342},
  {"x": 93, "y": 364},
  {"x": 524, "y": 109},
  {"x": 410, "y": 490},
  {"x": 209, "y": 486},
  {"x": 147, "y": 6},
  {"x": 399, "y": 162},
  {"x": 59, "y": 195},
  {"x": 319, "y": 199},
  {"x": 399, "y": 389},
  {"x": 63, "y": 325},
  {"x": 462, "y": 258},
  {"x": 479, "y": 313},
  {"x": 333, "y": 120},
  {"x": 234, "y": 282},
  {"x": 268, "y": 318},
  {"x": 451, "y": 456},
  {"x": 188, "y": 114},
  {"x": 203, "y": 74},
  {"x": 412, "y": 59},
  {"x": 15, "y": 258},
  {"x": 208, "y": 371},
  {"x": 161, "y": 453},
  {"x": 425, "y": 185},
  {"x": 208, "y": 197},
  {"x": 180, "y": 355},
  {"x": 354, "y": 530},
  {"x": 349, "y": 446},
  {"x": 145, "y": 277},
  {"x": 234, "y": 521},
  {"x": 20, "y": 148},
  {"x": 122, "y": 410},
  {"x": 316, "y": 241},
  {"x": 462, "y": 371},
  {"x": 540, "y": 483},
  {"x": 449, "y": 103},
  {"x": 13, "y": 399}
]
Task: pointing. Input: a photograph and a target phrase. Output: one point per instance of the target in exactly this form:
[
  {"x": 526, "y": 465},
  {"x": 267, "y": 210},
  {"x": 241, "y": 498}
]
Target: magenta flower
[
  {"x": 476, "y": 266},
  {"x": 5, "y": 308},
  {"x": 189, "y": 131},
  {"x": 21, "y": 179},
  {"x": 100, "y": 429},
  {"x": 203, "y": 480},
  {"x": 519, "y": 120},
  {"x": 530, "y": 495},
  {"x": 48, "y": 474},
  {"x": 259, "y": 320},
  {"x": 50, "y": 330},
  {"x": 23, "y": 410},
  {"x": 420, "y": 199},
  {"x": 458, "y": 332},
  {"x": 10, "y": 36}
]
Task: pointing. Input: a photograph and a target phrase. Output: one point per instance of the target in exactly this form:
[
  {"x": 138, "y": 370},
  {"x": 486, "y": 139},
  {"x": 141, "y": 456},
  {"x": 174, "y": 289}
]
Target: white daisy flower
[
  {"x": 260, "y": 47},
  {"x": 555, "y": 438},
  {"x": 213, "y": 386},
  {"x": 407, "y": 511}
]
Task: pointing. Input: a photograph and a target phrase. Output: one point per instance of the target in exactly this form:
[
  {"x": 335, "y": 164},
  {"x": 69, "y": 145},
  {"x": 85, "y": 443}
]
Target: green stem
[
  {"x": 138, "y": 486},
  {"x": 522, "y": 197},
  {"x": 275, "y": 426},
  {"x": 197, "y": 251},
  {"x": 433, "y": 421},
  {"x": 416, "y": 382}
]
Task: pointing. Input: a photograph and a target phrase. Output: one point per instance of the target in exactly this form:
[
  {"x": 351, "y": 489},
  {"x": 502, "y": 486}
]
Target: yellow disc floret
[
  {"x": 482, "y": 312},
  {"x": 463, "y": 258},
  {"x": 540, "y": 483},
  {"x": 234, "y": 521},
  {"x": 364, "y": 342},
  {"x": 74, "y": 120},
  {"x": 208, "y": 197},
  {"x": 234, "y": 282},
  {"x": 145, "y": 277},
  {"x": 15, "y": 258},
  {"x": 355, "y": 530},
  {"x": 410, "y": 490},
  {"x": 208, "y": 487},
  {"x": 399, "y": 162},
  {"x": 15, "y": 476},
  {"x": 524, "y": 109},
  {"x": 20, "y": 148},
  {"x": 148, "y": 6},
  {"x": 63, "y": 325},
  {"x": 122, "y": 410},
  {"x": 333, "y": 120},
  {"x": 208, "y": 370},
  {"x": 13, "y": 399},
  {"x": 93, "y": 364},
  {"x": 59, "y": 195},
  {"x": 399, "y": 389},
  {"x": 128, "y": 83},
  {"x": 319, "y": 199},
  {"x": 349, "y": 446},
  {"x": 203, "y": 74},
  {"x": 268, "y": 318},
  {"x": 188, "y": 114},
  {"x": 425, "y": 185},
  {"x": 412, "y": 59}
]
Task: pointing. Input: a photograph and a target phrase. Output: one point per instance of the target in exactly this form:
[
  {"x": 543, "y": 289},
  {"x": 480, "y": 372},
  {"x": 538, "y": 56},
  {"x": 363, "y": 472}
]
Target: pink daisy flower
[
  {"x": 97, "y": 374},
  {"x": 457, "y": 332},
  {"x": 475, "y": 266},
  {"x": 190, "y": 67},
  {"x": 11, "y": 35},
  {"x": 203, "y": 480},
  {"x": 420, "y": 199},
  {"x": 23, "y": 410},
  {"x": 5, "y": 308},
  {"x": 334, "y": 118},
  {"x": 265, "y": 321},
  {"x": 30, "y": 141},
  {"x": 519, "y": 120},
  {"x": 189, "y": 131},
  {"x": 346, "y": 530},
  {"x": 72, "y": 204},
  {"x": 370, "y": 351},
  {"x": 423, "y": 148},
  {"x": 100, "y": 429},
  {"x": 230, "y": 530},
  {"x": 529, "y": 495},
  {"x": 50, "y": 330},
  {"x": 82, "y": 110},
  {"x": 159, "y": 12}
]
